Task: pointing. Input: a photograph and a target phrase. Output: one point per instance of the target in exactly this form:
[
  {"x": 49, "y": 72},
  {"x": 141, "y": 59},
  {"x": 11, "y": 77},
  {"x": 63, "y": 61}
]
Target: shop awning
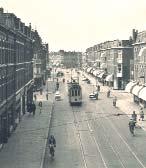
[
  {"x": 95, "y": 72},
  {"x": 103, "y": 65},
  {"x": 130, "y": 86},
  {"x": 136, "y": 89},
  {"x": 142, "y": 94},
  {"x": 109, "y": 78},
  {"x": 92, "y": 70},
  {"x": 89, "y": 69},
  {"x": 100, "y": 75},
  {"x": 102, "y": 55},
  {"x": 142, "y": 51}
]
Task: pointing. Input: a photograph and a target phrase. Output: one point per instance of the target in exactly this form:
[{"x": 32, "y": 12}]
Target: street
[{"x": 92, "y": 136}]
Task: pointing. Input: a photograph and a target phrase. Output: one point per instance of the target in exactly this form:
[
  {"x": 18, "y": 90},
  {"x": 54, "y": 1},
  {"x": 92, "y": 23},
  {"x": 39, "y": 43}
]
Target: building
[
  {"x": 71, "y": 59},
  {"x": 40, "y": 60},
  {"x": 16, "y": 71},
  {"x": 110, "y": 62},
  {"x": 138, "y": 74}
]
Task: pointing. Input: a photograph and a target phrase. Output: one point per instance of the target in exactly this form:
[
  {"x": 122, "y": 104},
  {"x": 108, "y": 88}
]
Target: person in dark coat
[
  {"x": 33, "y": 107},
  {"x": 29, "y": 107},
  {"x": 98, "y": 88}
]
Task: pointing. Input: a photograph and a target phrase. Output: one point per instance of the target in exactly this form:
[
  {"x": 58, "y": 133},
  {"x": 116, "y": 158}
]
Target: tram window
[
  {"x": 72, "y": 92},
  {"x": 75, "y": 92}
]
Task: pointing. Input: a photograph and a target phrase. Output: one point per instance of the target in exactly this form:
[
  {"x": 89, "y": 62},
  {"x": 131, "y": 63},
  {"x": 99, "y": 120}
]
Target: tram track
[
  {"x": 115, "y": 147},
  {"x": 76, "y": 109},
  {"x": 109, "y": 144},
  {"x": 141, "y": 165},
  {"x": 115, "y": 150}
]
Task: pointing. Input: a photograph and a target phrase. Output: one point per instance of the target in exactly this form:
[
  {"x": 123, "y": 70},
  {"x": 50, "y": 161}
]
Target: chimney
[
  {"x": 134, "y": 35},
  {"x": 1, "y": 10}
]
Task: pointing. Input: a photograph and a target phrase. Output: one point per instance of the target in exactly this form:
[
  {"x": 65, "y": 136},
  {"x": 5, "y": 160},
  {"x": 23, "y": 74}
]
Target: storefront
[
  {"x": 135, "y": 91},
  {"x": 130, "y": 86},
  {"x": 89, "y": 69},
  {"x": 101, "y": 77},
  {"x": 109, "y": 80},
  {"x": 142, "y": 97}
]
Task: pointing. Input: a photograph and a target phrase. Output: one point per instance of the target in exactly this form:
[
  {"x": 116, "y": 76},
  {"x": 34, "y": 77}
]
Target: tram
[{"x": 75, "y": 92}]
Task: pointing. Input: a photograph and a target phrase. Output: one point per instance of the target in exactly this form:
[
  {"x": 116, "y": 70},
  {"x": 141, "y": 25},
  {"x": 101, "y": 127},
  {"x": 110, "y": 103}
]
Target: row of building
[
  {"x": 23, "y": 59},
  {"x": 120, "y": 63},
  {"x": 67, "y": 59}
]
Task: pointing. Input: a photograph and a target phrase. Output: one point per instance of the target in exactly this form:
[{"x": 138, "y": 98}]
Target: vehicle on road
[
  {"x": 75, "y": 92},
  {"x": 57, "y": 96},
  {"x": 93, "y": 95}
]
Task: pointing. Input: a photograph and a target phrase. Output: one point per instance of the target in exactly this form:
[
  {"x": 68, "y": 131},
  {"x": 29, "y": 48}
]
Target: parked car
[{"x": 93, "y": 95}]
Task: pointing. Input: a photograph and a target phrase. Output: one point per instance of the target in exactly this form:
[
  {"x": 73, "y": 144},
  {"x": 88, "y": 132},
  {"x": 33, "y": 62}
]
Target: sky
[{"x": 75, "y": 25}]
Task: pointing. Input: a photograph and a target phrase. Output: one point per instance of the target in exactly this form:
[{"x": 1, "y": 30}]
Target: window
[{"x": 76, "y": 93}]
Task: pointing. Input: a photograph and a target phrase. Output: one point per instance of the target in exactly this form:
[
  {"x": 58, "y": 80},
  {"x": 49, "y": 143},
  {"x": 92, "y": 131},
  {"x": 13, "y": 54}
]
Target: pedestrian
[
  {"x": 98, "y": 88},
  {"x": 134, "y": 116},
  {"x": 97, "y": 94},
  {"x": 40, "y": 106},
  {"x": 108, "y": 93},
  {"x": 103, "y": 82},
  {"x": 29, "y": 107},
  {"x": 47, "y": 96},
  {"x": 35, "y": 98},
  {"x": 33, "y": 106},
  {"x": 114, "y": 101},
  {"x": 41, "y": 90},
  {"x": 141, "y": 114}
]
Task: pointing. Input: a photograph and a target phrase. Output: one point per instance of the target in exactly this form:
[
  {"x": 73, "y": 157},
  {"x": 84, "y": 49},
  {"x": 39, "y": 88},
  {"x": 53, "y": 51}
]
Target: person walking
[
  {"x": 40, "y": 106},
  {"x": 29, "y": 107},
  {"x": 35, "y": 97},
  {"x": 134, "y": 116},
  {"x": 33, "y": 106},
  {"x": 98, "y": 88},
  {"x": 108, "y": 93},
  {"x": 47, "y": 96},
  {"x": 141, "y": 114},
  {"x": 114, "y": 101}
]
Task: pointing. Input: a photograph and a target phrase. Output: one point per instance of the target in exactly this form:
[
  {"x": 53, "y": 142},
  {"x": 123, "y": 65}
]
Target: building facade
[
  {"x": 40, "y": 60},
  {"x": 138, "y": 89},
  {"x": 72, "y": 59},
  {"x": 16, "y": 72},
  {"x": 112, "y": 59}
]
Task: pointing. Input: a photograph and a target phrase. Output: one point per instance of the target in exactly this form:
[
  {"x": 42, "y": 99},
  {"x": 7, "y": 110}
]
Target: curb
[{"x": 46, "y": 139}]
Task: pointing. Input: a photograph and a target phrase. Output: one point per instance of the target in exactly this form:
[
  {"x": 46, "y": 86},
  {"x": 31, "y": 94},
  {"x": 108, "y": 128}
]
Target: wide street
[{"x": 92, "y": 136}]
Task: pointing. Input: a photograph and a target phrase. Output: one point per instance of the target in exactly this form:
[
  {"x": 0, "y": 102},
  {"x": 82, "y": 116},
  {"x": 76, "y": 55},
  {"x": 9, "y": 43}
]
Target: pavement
[
  {"x": 26, "y": 146},
  {"x": 125, "y": 101}
]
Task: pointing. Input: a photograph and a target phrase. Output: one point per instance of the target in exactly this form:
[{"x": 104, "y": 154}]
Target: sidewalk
[
  {"x": 26, "y": 146},
  {"x": 124, "y": 101}
]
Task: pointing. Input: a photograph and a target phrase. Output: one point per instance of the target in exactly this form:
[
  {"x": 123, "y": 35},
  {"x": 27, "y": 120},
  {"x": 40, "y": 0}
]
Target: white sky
[{"x": 79, "y": 24}]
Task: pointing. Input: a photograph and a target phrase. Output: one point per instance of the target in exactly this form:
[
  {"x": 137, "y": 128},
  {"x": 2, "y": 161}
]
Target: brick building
[{"x": 16, "y": 71}]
